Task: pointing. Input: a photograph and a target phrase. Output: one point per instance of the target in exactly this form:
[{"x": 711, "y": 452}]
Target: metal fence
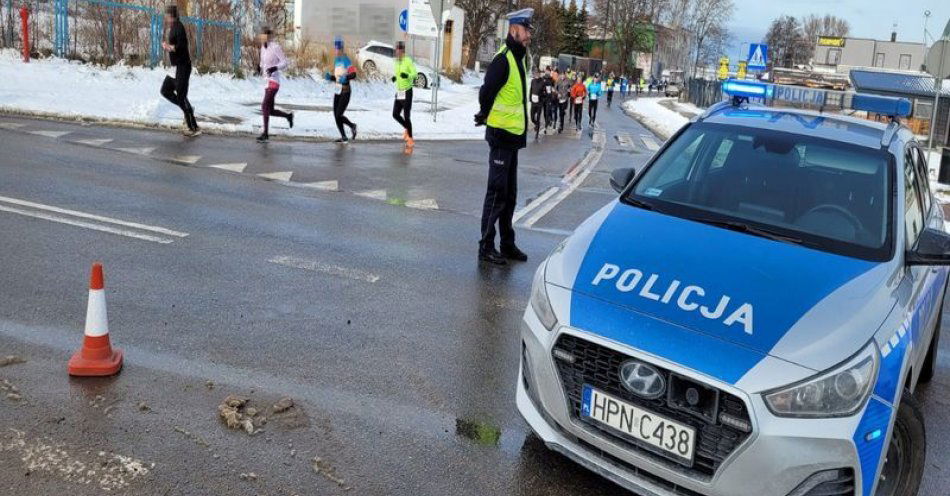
[
  {"x": 106, "y": 31},
  {"x": 703, "y": 92}
]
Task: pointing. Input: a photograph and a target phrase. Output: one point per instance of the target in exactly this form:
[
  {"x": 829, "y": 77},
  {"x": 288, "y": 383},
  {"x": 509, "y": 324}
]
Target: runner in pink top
[{"x": 272, "y": 62}]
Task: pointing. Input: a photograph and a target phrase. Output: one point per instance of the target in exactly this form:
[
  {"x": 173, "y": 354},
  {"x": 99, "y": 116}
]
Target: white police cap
[{"x": 522, "y": 17}]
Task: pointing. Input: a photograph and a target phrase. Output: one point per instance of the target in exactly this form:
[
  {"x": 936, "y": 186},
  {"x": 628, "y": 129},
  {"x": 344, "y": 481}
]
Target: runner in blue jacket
[{"x": 594, "y": 91}]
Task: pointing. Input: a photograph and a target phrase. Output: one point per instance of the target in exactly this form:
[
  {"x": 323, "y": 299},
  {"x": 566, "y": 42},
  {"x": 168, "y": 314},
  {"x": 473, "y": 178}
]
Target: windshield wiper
[
  {"x": 630, "y": 200},
  {"x": 746, "y": 228}
]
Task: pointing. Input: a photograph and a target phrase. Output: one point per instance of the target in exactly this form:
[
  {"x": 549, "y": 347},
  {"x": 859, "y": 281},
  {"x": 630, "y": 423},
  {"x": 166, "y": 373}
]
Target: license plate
[{"x": 643, "y": 425}]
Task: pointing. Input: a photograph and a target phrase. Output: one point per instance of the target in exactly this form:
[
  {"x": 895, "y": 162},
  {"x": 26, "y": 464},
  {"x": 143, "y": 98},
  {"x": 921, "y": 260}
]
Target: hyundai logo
[{"x": 642, "y": 380}]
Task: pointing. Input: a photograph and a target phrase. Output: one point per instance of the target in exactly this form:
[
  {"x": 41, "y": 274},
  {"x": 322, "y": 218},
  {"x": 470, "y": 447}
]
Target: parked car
[
  {"x": 378, "y": 58},
  {"x": 672, "y": 90}
]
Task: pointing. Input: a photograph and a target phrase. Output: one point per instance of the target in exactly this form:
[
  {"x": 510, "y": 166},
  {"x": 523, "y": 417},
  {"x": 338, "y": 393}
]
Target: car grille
[{"x": 599, "y": 367}]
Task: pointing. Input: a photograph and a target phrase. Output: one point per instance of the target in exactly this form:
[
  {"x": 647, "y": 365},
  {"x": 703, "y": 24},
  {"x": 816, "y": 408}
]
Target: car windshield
[{"x": 827, "y": 195}]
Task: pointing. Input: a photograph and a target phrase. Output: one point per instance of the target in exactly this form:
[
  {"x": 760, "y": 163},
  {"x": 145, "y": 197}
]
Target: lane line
[
  {"x": 376, "y": 194},
  {"x": 649, "y": 142},
  {"x": 534, "y": 204},
  {"x": 137, "y": 151},
  {"x": 50, "y": 134},
  {"x": 100, "y": 218},
  {"x": 11, "y": 125},
  {"x": 93, "y": 142},
  {"x": 323, "y": 185},
  {"x": 277, "y": 176},
  {"x": 186, "y": 159},
  {"x": 87, "y": 225},
  {"x": 576, "y": 179},
  {"x": 235, "y": 167},
  {"x": 426, "y": 204},
  {"x": 315, "y": 266}
]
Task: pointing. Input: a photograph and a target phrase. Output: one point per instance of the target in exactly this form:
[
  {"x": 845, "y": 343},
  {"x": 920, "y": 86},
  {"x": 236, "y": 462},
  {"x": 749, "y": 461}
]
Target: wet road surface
[{"x": 369, "y": 310}]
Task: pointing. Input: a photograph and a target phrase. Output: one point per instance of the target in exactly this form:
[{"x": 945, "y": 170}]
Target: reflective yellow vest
[{"x": 508, "y": 110}]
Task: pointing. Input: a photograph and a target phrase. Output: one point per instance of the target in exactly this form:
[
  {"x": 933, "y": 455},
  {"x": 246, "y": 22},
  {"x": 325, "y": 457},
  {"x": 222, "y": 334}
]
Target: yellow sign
[
  {"x": 740, "y": 74},
  {"x": 723, "y": 68},
  {"x": 831, "y": 41}
]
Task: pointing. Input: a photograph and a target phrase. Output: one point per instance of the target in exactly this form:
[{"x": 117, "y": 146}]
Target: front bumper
[{"x": 779, "y": 456}]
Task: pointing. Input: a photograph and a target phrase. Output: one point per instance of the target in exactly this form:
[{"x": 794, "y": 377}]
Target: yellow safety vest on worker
[{"x": 508, "y": 110}]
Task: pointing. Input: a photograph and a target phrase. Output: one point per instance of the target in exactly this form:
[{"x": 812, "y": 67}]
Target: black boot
[
  {"x": 263, "y": 138},
  {"x": 290, "y": 120},
  {"x": 511, "y": 252},
  {"x": 491, "y": 256}
]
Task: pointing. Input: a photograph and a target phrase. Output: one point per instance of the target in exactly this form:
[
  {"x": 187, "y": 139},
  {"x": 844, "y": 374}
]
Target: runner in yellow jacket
[{"x": 404, "y": 79}]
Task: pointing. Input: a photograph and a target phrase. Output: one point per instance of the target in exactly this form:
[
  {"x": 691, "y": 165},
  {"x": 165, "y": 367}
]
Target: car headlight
[
  {"x": 539, "y": 299},
  {"x": 839, "y": 392}
]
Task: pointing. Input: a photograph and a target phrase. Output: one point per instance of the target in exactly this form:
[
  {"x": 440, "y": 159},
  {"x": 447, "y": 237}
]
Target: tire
[
  {"x": 906, "y": 454},
  {"x": 421, "y": 81},
  {"x": 369, "y": 67},
  {"x": 930, "y": 363}
]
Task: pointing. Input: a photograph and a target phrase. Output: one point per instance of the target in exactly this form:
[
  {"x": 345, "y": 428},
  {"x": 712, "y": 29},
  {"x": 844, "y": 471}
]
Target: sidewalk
[{"x": 224, "y": 104}]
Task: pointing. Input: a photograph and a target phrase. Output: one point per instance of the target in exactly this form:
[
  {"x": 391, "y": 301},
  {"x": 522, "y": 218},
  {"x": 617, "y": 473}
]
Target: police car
[{"x": 754, "y": 312}]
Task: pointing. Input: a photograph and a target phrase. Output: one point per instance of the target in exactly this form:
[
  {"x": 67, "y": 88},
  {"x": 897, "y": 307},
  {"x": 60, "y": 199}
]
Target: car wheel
[
  {"x": 421, "y": 81},
  {"x": 904, "y": 462},
  {"x": 369, "y": 67},
  {"x": 930, "y": 363}
]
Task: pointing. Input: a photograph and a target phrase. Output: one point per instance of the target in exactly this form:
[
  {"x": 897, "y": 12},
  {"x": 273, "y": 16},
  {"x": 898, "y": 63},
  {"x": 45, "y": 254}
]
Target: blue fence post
[
  {"x": 236, "y": 49},
  {"x": 111, "y": 34},
  {"x": 60, "y": 27},
  {"x": 199, "y": 35},
  {"x": 156, "y": 39}
]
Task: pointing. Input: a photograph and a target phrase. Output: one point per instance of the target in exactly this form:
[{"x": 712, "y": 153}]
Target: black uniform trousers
[{"x": 500, "y": 198}]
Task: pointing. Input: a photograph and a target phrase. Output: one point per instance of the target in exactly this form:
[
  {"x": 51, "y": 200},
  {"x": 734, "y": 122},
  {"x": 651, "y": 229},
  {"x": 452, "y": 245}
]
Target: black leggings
[
  {"x": 267, "y": 108},
  {"x": 340, "y": 102},
  {"x": 578, "y": 114},
  {"x": 404, "y": 107},
  {"x": 592, "y": 111},
  {"x": 175, "y": 90}
]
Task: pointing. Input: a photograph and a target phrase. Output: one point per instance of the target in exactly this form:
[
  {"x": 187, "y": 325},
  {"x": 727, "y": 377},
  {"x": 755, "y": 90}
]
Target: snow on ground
[
  {"x": 131, "y": 94},
  {"x": 657, "y": 118}
]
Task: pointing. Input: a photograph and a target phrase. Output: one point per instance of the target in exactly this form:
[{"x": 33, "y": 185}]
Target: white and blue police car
[{"x": 754, "y": 312}]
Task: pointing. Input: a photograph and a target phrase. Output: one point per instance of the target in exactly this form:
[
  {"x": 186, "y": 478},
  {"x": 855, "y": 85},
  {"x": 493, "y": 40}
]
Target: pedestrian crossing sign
[{"x": 758, "y": 53}]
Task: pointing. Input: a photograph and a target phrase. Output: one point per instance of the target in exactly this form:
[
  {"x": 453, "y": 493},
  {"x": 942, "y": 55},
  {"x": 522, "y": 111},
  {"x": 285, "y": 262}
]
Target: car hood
[{"x": 726, "y": 299}]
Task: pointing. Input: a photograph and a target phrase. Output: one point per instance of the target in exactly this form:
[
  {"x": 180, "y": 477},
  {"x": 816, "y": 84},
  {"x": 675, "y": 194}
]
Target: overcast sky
[{"x": 868, "y": 18}]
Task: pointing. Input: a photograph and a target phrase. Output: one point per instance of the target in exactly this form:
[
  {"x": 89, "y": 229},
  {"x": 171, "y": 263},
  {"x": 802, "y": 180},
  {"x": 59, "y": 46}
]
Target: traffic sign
[
  {"x": 740, "y": 74},
  {"x": 420, "y": 20},
  {"x": 758, "y": 56},
  {"x": 723, "y": 68},
  {"x": 404, "y": 20}
]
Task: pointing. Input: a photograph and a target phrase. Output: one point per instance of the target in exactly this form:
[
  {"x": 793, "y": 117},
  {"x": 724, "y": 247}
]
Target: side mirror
[
  {"x": 933, "y": 248},
  {"x": 620, "y": 178}
]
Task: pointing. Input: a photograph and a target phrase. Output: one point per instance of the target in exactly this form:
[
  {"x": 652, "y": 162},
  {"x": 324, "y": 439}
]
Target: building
[
  {"x": 361, "y": 21},
  {"x": 843, "y": 54},
  {"x": 916, "y": 87}
]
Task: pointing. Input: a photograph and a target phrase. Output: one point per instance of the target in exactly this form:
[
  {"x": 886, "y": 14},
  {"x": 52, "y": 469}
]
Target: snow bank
[
  {"x": 223, "y": 103},
  {"x": 654, "y": 116}
]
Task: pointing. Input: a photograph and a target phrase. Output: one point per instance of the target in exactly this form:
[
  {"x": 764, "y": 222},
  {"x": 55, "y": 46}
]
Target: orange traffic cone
[{"x": 96, "y": 357}]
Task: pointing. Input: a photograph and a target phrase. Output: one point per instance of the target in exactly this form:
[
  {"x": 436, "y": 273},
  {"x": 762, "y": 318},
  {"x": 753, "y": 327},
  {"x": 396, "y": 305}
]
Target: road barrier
[{"x": 96, "y": 357}]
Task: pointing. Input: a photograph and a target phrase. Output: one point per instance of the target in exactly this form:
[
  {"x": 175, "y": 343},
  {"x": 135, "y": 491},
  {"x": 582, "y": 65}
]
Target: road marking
[
  {"x": 187, "y": 159},
  {"x": 138, "y": 151},
  {"x": 534, "y": 204},
  {"x": 375, "y": 194},
  {"x": 313, "y": 265},
  {"x": 574, "y": 179},
  {"x": 93, "y": 142},
  {"x": 100, "y": 218},
  {"x": 87, "y": 225},
  {"x": 625, "y": 140},
  {"x": 427, "y": 204},
  {"x": 277, "y": 176},
  {"x": 11, "y": 125},
  {"x": 323, "y": 185},
  {"x": 235, "y": 167},
  {"x": 649, "y": 142},
  {"x": 50, "y": 134}
]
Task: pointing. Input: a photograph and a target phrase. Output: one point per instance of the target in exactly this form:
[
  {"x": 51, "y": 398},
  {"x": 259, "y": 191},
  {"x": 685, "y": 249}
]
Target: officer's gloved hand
[
  {"x": 404, "y": 75},
  {"x": 480, "y": 119},
  {"x": 271, "y": 70}
]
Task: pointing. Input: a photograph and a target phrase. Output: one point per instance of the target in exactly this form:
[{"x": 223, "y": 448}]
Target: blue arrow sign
[
  {"x": 758, "y": 56},
  {"x": 404, "y": 20}
]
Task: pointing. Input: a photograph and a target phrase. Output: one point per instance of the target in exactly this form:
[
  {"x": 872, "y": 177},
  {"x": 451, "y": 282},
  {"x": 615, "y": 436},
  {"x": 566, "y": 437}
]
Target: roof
[
  {"x": 896, "y": 83},
  {"x": 806, "y": 122}
]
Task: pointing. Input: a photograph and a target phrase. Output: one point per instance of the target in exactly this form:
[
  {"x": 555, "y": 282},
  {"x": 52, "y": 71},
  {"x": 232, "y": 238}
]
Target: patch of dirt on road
[
  {"x": 322, "y": 467},
  {"x": 12, "y": 392},
  {"x": 108, "y": 471},
  {"x": 240, "y": 413},
  {"x": 11, "y": 360}
]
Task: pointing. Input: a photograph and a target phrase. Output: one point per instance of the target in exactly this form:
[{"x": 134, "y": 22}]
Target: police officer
[{"x": 504, "y": 109}]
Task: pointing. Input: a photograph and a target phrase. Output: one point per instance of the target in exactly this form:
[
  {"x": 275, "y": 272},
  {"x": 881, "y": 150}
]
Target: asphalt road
[{"x": 368, "y": 309}]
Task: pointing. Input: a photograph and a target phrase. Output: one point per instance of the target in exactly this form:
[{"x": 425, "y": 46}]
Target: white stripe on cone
[{"x": 97, "y": 322}]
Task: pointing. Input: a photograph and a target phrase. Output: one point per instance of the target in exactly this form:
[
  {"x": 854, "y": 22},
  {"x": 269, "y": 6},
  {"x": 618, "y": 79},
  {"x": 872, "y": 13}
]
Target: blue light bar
[
  {"x": 746, "y": 89},
  {"x": 885, "y": 105}
]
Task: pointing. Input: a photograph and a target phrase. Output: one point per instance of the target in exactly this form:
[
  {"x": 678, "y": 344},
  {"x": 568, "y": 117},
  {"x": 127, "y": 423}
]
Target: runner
[
  {"x": 272, "y": 62},
  {"x": 405, "y": 76},
  {"x": 562, "y": 91},
  {"x": 537, "y": 102},
  {"x": 578, "y": 93},
  {"x": 343, "y": 73},
  {"x": 610, "y": 89},
  {"x": 594, "y": 90},
  {"x": 623, "y": 88},
  {"x": 175, "y": 89},
  {"x": 549, "y": 99}
]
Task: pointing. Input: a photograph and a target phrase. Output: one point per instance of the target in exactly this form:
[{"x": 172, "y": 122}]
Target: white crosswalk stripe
[
  {"x": 376, "y": 194},
  {"x": 187, "y": 159},
  {"x": 277, "y": 176},
  {"x": 649, "y": 142},
  {"x": 138, "y": 151},
  {"x": 93, "y": 142},
  {"x": 233, "y": 167},
  {"x": 426, "y": 204},
  {"x": 323, "y": 185},
  {"x": 50, "y": 134},
  {"x": 11, "y": 125}
]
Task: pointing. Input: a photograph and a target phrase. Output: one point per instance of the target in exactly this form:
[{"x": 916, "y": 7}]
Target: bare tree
[
  {"x": 786, "y": 41},
  {"x": 706, "y": 22},
  {"x": 827, "y": 25},
  {"x": 481, "y": 17}
]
